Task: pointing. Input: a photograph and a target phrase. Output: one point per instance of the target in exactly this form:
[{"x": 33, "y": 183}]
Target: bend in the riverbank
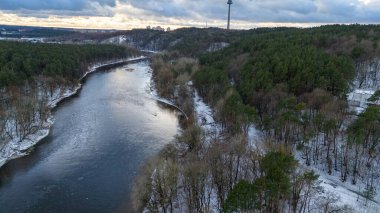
[
  {"x": 169, "y": 104},
  {"x": 15, "y": 149}
]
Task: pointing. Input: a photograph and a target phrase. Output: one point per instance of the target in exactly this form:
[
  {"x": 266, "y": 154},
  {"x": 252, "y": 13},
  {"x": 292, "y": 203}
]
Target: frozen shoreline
[{"x": 15, "y": 149}]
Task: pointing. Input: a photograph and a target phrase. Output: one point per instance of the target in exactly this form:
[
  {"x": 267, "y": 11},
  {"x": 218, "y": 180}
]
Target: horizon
[
  {"x": 132, "y": 14},
  {"x": 270, "y": 25}
]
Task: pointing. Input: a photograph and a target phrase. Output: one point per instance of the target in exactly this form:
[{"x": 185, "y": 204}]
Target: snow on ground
[
  {"x": 217, "y": 46},
  {"x": 116, "y": 40},
  {"x": 358, "y": 99},
  {"x": 16, "y": 149},
  {"x": 150, "y": 51},
  {"x": 203, "y": 112},
  {"x": 255, "y": 137},
  {"x": 205, "y": 118},
  {"x": 60, "y": 94},
  {"x": 347, "y": 193}
]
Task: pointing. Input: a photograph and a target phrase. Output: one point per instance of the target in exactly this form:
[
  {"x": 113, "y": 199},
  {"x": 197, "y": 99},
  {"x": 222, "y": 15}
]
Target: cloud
[
  {"x": 198, "y": 12},
  {"x": 170, "y": 8},
  {"x": 64, "y": 5},
  {"x": 43, "y": 8},
  {"x": 266, "y": 10}
]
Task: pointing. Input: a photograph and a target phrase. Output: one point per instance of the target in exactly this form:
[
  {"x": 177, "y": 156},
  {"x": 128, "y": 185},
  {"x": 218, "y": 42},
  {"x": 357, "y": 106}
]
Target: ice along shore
[{"x": 15, "y": 148}]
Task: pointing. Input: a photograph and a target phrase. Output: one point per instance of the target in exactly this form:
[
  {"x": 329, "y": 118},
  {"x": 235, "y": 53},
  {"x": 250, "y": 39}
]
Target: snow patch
[
  {"x": 358, "y": 99},
  {"x": 217, "y": 46},
  {"x": 205, "y": 119},
  {"x": 347, "y": 194},
  {"x": 203, "y": 111}
]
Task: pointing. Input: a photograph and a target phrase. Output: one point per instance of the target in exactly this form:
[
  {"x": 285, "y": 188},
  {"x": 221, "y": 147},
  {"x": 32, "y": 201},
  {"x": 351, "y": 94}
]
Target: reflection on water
[{"x": 95, "y": 147}]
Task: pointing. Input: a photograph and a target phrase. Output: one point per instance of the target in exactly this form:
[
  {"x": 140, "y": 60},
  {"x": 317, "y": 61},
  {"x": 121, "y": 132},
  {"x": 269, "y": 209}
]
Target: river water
[{"x": 95, "y": 147}]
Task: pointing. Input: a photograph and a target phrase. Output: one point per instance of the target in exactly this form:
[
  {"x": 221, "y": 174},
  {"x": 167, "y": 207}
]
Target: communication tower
[{"x": 229, "y": 13}]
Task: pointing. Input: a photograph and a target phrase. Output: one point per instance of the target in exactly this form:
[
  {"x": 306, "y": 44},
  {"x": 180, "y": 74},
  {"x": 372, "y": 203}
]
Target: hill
[{"x": 277, "y": 96}]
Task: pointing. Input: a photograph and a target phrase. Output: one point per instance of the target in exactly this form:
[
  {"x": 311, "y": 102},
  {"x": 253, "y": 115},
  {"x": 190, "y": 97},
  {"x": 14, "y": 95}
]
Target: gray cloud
[
  {"x": 325, "y": 11},
  {"x": 267, "y": 10},
  {"x": 45, "y": 8},
  {"x": 73, "y": 5},
  {"x": 163, "y": 7}
]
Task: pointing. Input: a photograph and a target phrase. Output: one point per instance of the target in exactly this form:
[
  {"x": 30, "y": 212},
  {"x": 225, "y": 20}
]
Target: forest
[
  {"x": 292, "y": 86},
  {"x": 189, "y": 41},
  {"x": 268, "y": 113},
  {"x": 21, "y": 61},
  {"x": 34, "y": 76}
]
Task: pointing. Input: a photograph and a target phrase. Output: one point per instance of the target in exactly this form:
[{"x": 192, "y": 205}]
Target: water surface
[{"x": 95, "y": 147}]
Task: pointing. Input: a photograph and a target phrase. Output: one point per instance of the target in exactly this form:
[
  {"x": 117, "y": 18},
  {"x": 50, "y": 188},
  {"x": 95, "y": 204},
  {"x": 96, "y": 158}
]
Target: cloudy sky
[{"x": 127, "y": 14}]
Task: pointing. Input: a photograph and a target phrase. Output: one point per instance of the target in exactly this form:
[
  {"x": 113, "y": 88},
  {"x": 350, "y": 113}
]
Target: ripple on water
[{"x": 96, "y": 144}]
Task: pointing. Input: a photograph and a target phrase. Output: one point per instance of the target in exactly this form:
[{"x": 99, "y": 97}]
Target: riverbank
[
  {"x": 16, "y": 149},
  {"x": 101, "y": 135},
  {"x": 167, "y": 102}
]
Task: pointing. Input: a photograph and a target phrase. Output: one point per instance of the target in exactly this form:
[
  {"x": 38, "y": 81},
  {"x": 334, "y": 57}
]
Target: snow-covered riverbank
[{"x": 15, "y": 149}]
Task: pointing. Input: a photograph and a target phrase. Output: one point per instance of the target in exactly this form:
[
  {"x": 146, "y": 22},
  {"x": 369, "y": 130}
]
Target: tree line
[
  {"x": 21, "y": 61},
  {"x": 34, "y": 75},
  {"x": 206, "y": 170},
  {"x": 292, "y": 84}
]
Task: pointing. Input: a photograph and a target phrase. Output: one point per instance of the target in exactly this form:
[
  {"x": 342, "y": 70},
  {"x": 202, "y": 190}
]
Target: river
[{"x": 99, "y": 139}]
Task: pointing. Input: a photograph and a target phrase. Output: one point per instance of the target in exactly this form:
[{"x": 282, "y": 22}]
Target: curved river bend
[{"x": 95, "y": 147}]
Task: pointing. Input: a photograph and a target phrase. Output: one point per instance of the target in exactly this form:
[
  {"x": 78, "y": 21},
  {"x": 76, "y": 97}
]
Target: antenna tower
[{"x": 229, "y": 13}]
